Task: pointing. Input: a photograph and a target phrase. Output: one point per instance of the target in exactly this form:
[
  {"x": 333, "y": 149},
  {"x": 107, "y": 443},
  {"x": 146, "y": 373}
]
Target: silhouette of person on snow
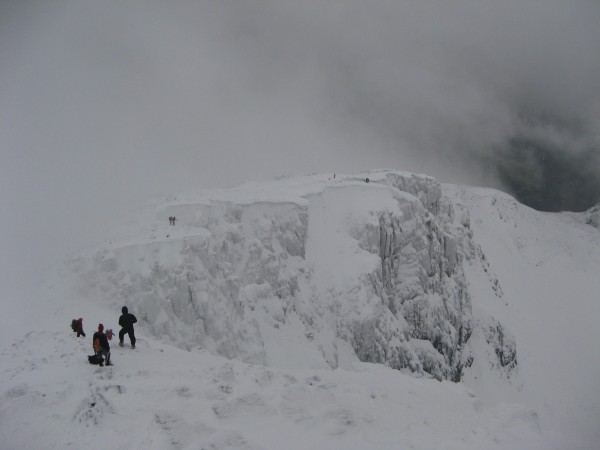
[
  {"x": 101, "y": 345},
  {"x": 126, "y": 322},
  {"x": 77, "y": 327}
]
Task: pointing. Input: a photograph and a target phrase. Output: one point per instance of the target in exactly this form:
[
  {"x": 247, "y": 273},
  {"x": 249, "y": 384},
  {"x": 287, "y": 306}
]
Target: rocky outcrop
[{"x": 592, "y": 216}]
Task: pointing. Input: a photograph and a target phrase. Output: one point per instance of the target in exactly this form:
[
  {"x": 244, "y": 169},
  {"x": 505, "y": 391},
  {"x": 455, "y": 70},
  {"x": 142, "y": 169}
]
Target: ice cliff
[{"x": 327, "y": 267}]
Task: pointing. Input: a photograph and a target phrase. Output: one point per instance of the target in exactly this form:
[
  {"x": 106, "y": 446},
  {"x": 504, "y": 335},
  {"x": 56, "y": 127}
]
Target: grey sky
[{"x": 106, "y": 103}]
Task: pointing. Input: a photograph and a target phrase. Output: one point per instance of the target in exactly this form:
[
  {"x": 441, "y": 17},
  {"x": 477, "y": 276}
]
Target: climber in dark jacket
[
  {"x": 77, "y": 327},
  {"x": 126, "y": 322},
  {"x": 101, "y": 345}
]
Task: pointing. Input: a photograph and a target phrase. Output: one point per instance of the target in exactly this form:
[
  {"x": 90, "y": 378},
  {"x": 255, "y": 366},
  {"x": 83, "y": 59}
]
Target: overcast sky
[{"x": 106, "y": 103}]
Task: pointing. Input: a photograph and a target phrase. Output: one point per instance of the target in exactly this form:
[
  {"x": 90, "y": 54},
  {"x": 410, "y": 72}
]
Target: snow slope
[
  {"x": 547, "y": 267},
  {"x": 256, "y": 309},
  {"x": 160, "y": 397}
]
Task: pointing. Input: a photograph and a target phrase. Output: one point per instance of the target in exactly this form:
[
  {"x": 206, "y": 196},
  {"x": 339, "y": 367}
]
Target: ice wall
[{"x": 342, "y": 263}]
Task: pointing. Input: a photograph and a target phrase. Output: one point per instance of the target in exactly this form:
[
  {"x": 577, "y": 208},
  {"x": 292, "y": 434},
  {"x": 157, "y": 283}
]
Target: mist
[{"x": 105, "y": 104}]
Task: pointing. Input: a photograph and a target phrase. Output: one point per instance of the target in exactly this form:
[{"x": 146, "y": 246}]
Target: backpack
[
  {"x": 96, "y": 359},
  {"x": 74, "y": 325}
]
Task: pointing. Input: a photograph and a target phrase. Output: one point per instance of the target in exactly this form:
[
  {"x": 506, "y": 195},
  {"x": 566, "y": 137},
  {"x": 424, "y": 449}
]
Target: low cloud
[{"x": 106, "y": 103}]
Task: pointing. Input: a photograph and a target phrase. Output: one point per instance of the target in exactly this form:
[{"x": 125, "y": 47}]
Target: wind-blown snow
[{"x": 262, "y": 311}]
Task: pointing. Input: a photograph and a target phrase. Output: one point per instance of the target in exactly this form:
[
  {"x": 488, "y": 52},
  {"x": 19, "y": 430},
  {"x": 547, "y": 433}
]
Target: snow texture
[
  {"x": 376, "y": 265},
  {"x": 262, "y": 311}
]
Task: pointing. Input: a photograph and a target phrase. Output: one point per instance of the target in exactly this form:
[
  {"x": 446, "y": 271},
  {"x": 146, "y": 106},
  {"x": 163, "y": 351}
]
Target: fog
[{"x": 104, "y": 104}]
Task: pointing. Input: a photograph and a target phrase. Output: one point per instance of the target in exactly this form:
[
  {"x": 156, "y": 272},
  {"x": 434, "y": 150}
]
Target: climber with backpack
[
  {"x": 77, "y": 327},
  {"x": 101, "y": 346}
]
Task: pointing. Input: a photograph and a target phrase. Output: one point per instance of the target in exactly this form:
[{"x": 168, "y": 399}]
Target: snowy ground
[
  {"x": 161, "y": 397},
  {"x": 547, "y": 266},
  {"x": 158, "y": 397}
]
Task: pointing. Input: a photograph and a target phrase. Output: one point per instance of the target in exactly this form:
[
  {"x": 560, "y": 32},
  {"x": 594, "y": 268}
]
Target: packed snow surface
[{"x": 317, "y": 312}]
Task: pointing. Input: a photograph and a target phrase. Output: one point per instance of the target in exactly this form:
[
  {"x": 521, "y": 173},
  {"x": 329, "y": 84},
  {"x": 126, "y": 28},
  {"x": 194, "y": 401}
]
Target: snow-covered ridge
[
  {"x": 325, "y": 266},
  {"x": 294, "y": 281}
]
